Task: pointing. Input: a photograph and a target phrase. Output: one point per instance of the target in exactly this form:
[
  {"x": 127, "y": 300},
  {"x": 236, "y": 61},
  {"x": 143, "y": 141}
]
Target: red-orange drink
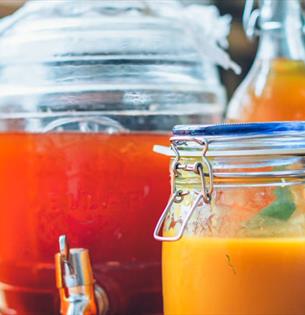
[{"x": 102, "y": 191}]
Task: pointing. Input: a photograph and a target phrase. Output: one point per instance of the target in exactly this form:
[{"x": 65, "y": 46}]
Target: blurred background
[{"x": 241, "y": 49}]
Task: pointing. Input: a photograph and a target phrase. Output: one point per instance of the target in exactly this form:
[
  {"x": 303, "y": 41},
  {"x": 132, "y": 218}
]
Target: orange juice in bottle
[{"x": 274, "y": 89}]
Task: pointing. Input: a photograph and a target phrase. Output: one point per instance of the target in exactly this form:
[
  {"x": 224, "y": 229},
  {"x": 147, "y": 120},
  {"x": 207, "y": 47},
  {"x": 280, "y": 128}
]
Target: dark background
[{"x": 241, "y": 49}]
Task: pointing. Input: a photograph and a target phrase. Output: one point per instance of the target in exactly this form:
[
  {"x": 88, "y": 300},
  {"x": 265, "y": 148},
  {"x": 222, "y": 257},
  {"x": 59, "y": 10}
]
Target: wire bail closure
[
  {"x": 250, "y": 19},
  {"x": 207, "y": 186}
]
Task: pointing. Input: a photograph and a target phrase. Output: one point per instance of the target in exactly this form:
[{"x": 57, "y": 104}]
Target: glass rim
[
  {"x": 250, "y": 129},
  {"x": 240, "y": 139}
]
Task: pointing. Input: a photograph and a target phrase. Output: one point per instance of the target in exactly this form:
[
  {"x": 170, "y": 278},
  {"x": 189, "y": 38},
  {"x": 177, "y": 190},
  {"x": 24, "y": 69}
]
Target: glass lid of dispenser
[{"x": 119, "y": 57}]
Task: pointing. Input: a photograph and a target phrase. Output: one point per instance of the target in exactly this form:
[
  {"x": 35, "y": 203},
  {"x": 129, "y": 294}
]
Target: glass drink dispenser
[{"x": 86, "y": 89}]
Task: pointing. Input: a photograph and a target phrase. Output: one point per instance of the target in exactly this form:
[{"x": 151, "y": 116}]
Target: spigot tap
[{"x": 74, "y": 279}]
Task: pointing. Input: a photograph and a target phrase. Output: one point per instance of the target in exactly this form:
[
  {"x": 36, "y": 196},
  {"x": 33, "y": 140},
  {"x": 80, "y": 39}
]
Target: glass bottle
[{"x": 274, "y": 89}]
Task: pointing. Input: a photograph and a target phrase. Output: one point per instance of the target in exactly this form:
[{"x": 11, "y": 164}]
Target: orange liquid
[
  {"x": 273, "y": 92},
  {"x": 213, "y": 276},
  {"x": 105, "y": 192}
]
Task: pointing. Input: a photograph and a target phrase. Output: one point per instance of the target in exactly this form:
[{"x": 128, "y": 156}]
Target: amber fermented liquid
[{"x": 105, "y": 192}]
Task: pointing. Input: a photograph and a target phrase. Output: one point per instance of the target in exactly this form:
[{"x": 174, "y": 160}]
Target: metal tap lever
[{"x": 75, "y": 282}]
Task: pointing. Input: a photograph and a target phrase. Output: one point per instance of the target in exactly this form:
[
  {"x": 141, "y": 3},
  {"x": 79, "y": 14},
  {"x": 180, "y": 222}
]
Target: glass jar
[
  {"x": 234, "y": 227},
  {"x": 86, "y": 89}
]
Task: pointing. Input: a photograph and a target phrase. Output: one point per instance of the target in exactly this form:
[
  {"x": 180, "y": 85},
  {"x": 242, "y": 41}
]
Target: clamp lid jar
[{"x": 234, "y": 228}]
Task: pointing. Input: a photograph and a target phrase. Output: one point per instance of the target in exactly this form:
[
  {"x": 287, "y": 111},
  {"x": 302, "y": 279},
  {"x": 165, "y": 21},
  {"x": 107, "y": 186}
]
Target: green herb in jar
[{"x": 278, "y": 212}]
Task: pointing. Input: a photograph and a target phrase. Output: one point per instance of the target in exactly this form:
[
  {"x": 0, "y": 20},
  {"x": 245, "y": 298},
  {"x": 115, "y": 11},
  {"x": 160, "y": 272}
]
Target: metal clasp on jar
[{"x": 204, "y": 194}]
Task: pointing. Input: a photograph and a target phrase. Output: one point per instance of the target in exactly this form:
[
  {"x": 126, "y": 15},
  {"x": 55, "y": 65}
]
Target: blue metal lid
[{"x": 240, "y": 129}]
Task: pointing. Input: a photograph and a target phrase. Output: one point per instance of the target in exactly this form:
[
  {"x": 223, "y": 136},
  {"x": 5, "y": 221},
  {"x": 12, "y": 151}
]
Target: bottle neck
[{"x": 281, "y": 30}]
